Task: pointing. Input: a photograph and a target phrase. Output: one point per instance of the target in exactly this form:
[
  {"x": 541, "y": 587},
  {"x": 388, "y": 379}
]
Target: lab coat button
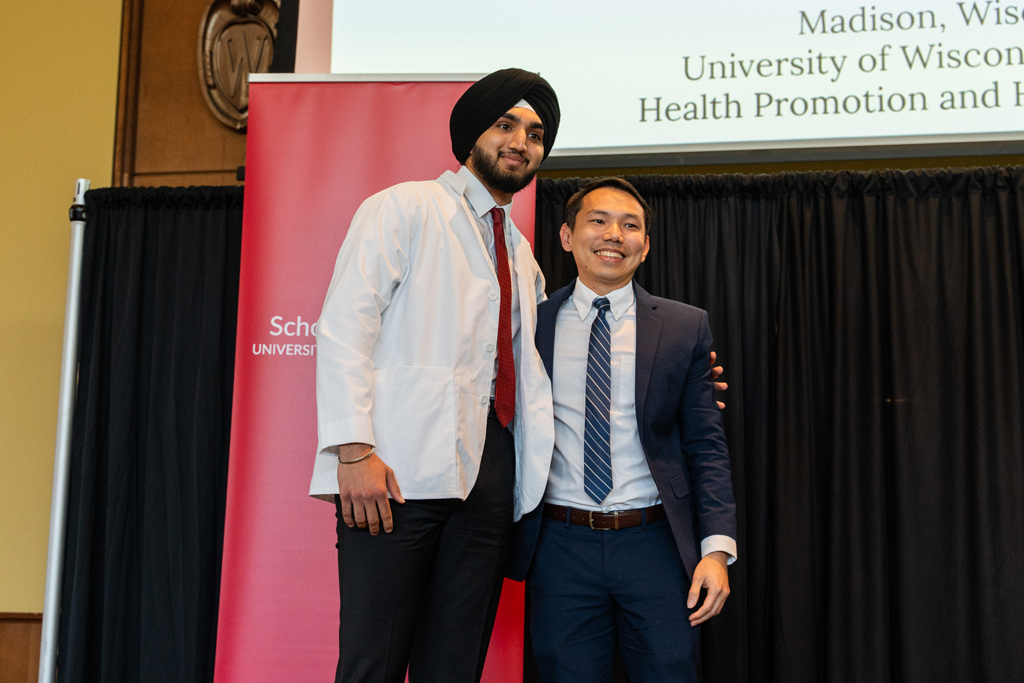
[
  {"x": 492, "y": 296},
  {"x": 483, "y": 400},
  {"x": 489, "y": 347}
]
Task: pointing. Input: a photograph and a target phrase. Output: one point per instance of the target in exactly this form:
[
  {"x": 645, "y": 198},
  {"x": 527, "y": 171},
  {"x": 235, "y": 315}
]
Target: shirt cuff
[{"x": 717, "y": 543}]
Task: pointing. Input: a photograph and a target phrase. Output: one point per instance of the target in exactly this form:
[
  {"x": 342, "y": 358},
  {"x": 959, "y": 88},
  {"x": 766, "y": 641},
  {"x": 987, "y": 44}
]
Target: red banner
[{"x": 315, "y": 151}]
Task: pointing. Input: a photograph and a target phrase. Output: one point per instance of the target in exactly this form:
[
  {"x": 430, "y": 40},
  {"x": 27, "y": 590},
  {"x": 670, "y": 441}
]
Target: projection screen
[{"x": 659, "y": 75}]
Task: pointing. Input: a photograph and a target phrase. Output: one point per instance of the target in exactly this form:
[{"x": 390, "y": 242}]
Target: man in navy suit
[{"x": 638, "y": 515}]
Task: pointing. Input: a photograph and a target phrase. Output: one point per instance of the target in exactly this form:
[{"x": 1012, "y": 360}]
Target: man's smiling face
[
  {"x": 609, "y": 239},
  {"x": 506, "y": 156}
]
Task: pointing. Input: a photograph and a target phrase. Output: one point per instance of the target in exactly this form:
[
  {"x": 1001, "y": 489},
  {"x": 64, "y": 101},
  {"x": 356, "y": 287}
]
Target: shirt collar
[
  {"x": 620, "y": 300},
  {"x": 479, "y": 198}
]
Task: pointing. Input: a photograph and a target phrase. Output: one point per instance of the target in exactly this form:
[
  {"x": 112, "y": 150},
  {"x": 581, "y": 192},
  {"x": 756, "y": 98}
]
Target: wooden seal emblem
[{"x": 236, "y": 38}]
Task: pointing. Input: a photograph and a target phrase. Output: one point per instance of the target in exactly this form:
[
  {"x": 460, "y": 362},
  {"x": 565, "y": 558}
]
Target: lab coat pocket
[{"x": 414, "y": 427}]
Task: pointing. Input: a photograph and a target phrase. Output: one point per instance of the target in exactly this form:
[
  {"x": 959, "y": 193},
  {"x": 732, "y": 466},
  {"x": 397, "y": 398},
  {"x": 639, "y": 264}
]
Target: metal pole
[{"x": 62, "y": 455}]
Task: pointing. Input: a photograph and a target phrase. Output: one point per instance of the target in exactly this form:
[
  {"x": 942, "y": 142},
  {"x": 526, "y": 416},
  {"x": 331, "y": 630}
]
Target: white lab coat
[{"x": 405, "y": 347}]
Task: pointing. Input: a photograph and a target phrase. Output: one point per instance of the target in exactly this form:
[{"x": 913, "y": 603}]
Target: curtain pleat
[{"x": 151, "y": 430}]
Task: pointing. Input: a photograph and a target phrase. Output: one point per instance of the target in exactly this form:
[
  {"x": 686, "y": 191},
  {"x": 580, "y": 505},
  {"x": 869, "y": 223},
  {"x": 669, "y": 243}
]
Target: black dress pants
[{"x": 424, "y": 597}]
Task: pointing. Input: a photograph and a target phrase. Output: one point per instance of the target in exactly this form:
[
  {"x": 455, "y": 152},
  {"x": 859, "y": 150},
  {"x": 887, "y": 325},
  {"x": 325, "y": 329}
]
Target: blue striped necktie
[{"x": 597, "y": 455}]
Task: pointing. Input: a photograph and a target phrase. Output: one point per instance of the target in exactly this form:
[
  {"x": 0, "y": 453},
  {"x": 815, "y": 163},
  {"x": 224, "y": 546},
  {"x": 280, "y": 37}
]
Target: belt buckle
[{"x": 590, "y": 518}]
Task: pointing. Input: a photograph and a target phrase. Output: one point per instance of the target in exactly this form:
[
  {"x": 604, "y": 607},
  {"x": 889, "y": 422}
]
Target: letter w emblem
[{"x": 243, "y": 49}]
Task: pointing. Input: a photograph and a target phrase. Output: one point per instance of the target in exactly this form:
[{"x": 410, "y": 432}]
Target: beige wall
[{"x": 58, "y": 94}]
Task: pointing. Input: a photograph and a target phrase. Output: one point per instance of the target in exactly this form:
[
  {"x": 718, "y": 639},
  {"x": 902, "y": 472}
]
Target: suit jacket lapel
[
  {"x": 648, "y": 329},
  {"x": 547, "y": 314}
]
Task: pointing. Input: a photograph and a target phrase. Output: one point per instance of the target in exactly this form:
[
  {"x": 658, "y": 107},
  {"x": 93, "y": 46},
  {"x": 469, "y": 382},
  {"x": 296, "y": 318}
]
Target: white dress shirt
[
  {"x": 633, "y": 485},
  {"x": 406, "y": 343},
  {"x": 481, "y": 202}
]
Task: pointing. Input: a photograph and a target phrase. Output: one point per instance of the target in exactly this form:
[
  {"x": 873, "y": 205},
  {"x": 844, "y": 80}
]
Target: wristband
[{"x": 359, "y": 459}]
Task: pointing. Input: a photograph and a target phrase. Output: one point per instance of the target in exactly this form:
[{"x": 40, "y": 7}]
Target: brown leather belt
[{"x": 606, "y": 521}]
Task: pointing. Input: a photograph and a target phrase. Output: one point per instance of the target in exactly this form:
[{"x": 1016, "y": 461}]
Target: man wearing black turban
[
  {"x": 490, "y": 97},
  {"x": 429, "y": 384}
]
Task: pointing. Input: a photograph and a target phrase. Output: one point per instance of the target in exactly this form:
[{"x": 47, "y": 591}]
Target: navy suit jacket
[{"x": 679, "y": 423}]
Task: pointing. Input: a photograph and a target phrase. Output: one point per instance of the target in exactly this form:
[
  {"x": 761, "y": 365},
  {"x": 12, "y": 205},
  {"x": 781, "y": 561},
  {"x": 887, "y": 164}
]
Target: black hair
[{"x": 575, "y": 203}]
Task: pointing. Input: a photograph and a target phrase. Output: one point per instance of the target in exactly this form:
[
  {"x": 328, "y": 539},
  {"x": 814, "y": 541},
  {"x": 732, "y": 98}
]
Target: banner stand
[
  {"x": 62, "y": 455},
  {"x": 317, "y": 147}
]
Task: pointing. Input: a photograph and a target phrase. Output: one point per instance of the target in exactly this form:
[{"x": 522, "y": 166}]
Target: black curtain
[
  {"x": 150, "y": 435},
  {"x": 871, "y": 326},
  {"x": 871, "y": 329}
]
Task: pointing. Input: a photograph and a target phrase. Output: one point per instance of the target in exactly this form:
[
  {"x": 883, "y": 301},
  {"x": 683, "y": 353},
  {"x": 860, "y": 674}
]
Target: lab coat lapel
[{"x": 465, "y": 226}]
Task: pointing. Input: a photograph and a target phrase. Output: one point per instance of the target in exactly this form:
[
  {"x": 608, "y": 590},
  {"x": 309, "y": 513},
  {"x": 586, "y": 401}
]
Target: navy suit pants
[{"x": 593, "y": 590}]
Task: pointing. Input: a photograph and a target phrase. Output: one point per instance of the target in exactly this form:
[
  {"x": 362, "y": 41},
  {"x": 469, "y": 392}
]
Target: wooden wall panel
[
  {"x": 166, "y": 134},
  {"x": 20, "y": 636},
  {"x": 176, "y": 131},
  {"x": 186, "y": 179}
]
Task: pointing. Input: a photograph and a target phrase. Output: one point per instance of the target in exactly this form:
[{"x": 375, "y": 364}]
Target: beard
[{"x": 495, "y": 177}]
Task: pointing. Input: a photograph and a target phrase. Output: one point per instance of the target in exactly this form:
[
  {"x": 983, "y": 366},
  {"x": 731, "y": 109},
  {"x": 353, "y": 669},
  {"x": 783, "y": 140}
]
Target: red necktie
[{"x": 505, "y": 387}]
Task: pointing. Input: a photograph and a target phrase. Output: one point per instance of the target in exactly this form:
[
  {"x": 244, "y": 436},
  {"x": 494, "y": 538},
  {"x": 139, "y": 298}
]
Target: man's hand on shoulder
[
  {"x": 363, "y": 488},
  {"x": 716, "y": 371},
  {"x": 711, "y": 573}
]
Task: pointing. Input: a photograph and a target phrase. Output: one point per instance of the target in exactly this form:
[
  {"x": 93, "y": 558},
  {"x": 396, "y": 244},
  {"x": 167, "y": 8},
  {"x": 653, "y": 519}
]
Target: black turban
[{"x": 493, "y": 95}]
